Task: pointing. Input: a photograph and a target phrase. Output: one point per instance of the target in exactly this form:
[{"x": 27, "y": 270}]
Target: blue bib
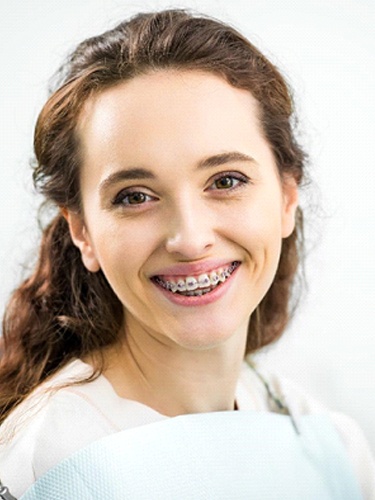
[{"x": 210, "y": 456}]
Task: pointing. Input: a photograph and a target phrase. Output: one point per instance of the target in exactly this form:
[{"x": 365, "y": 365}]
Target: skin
[{"x": 175, "y": 358}]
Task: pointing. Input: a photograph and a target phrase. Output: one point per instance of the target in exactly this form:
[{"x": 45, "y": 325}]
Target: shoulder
[
  {"x": 264, "y": 387},
  {"x": 59, "y": 418},
  {"x": 48, "y": 426},
  {"x": 28, "y": 415}
]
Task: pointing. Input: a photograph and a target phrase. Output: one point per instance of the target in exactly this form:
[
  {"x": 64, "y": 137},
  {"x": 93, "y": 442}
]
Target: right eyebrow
[
  {"x": 125, "y": 175},
  {"x": 223, "y": 158}
]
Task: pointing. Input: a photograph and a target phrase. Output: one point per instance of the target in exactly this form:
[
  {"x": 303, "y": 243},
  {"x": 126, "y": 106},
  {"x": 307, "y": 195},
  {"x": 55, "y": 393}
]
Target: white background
[{"x": 326, "y": 48}]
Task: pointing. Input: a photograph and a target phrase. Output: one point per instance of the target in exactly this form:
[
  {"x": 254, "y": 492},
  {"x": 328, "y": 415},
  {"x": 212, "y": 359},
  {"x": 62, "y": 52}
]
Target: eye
[
  {"x": 131, "y": 198},
  {"x": 228, "y": 181}
]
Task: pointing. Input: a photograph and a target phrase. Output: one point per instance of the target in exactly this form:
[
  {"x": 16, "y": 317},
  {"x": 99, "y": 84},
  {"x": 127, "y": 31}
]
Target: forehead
[
  {"x": 158, "y": 89},
  {"x": 168, "y": 113}
]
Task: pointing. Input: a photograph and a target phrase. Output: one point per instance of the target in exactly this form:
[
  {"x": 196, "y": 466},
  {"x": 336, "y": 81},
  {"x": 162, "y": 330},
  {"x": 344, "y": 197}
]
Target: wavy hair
[{"x": 62, "y": 311}]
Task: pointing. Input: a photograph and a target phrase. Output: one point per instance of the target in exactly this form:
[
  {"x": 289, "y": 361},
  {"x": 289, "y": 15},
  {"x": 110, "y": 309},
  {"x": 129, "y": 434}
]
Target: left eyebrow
[
  {"x": 125, "y": 175},
  {"x": 223, "y": 158}
]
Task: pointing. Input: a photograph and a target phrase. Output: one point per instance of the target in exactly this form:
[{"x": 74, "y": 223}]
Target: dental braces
[{"x": 201, "y": 285}]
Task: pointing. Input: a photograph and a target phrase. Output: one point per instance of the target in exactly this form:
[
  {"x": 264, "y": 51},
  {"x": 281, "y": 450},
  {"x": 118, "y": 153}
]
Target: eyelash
[
  {"x": 125, "y": 194},
  {"x": 239, "y": 179}
]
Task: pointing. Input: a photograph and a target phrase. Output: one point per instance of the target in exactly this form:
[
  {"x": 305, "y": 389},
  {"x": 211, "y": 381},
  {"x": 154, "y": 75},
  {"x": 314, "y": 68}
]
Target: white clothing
[{"x": 51, "y": 425}]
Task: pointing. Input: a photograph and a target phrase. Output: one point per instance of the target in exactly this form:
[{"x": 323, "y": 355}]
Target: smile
[{"x": 194, "y": 286}]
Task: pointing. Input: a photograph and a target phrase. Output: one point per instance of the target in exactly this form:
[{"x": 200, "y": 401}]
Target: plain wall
[{"x": 326, "y": 49}]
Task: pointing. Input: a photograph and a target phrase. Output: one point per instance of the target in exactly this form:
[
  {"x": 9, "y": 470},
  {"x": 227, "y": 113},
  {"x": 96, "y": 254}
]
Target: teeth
[
  {"x": 204, "y": 281},
  {"x": 192, "y": 286},
  {"x": 191, "y": 283},
  {"x": 181, "y": 286},
  {"x": 222, "y": 275},
  {"x": 214, "y": 278}
]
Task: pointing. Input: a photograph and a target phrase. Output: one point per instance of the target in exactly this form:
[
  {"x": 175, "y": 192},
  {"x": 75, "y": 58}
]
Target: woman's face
[{"x": 183, "y": 207}]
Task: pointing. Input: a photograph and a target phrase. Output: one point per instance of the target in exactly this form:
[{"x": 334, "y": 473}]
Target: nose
[{"x": 191, "y": 231}]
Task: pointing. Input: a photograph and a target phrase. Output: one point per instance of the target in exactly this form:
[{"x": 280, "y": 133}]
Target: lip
[
  {"x": 192, "y": 301},
  {"x": 193, "y": 269}
]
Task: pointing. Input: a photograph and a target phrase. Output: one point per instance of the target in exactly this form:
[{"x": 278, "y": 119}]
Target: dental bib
[{"x": 210, "y": 456}]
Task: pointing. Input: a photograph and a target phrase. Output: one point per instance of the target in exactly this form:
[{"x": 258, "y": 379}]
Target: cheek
[
  {"x": 259, "y": 227},
  {"x": 122, "y": 246},
  {"x": 259, "y": 233}
]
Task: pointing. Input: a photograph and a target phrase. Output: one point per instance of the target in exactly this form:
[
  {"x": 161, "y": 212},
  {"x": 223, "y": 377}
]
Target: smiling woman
[
  {"x": 169, "y": 153},
  {"x": 175, "y": 208}
]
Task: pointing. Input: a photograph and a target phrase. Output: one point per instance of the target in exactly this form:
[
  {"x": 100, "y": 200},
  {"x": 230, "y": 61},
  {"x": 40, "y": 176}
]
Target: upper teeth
[{"x": 191, "y": 283}]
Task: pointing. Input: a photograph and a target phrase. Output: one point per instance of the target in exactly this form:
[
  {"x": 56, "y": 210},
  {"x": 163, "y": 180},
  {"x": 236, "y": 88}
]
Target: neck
[{"x": 174, "y": 380}]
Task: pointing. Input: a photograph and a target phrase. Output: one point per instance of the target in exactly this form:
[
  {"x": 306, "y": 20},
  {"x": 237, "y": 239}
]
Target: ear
[
  {"x": 290, "y": 204},
  {"x": 81, "y": 239}
]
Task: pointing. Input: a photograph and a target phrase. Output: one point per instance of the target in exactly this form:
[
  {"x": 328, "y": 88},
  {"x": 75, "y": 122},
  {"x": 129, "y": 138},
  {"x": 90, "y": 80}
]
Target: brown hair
[{"x": 62, "y": 311}]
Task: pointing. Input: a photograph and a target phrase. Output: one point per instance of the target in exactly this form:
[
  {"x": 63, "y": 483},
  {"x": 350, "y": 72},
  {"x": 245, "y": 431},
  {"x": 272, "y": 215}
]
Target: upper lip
[{"x": 194, "y": 268}]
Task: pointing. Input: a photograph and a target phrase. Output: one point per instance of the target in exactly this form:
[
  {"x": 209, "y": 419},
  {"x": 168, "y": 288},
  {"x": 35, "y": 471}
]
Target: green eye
[
  {"x": 228, "y": 181},
  {"x": 126, "y": 198},
  {"x": 224, "y": 182},
  {"x": 136, "y": 198}
]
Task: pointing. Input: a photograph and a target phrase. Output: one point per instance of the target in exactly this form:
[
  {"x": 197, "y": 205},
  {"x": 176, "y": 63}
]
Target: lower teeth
[{"x": 196, "y": 293}]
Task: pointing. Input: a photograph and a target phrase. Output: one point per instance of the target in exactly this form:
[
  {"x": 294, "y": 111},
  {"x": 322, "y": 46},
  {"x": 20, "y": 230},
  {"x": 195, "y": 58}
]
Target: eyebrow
[
  {"x": 223, "y": 158},
  {"x": 138, "y": 173},
  {"x": 125, "y": 175}
]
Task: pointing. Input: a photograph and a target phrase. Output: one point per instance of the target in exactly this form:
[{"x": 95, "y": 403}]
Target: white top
[{"x": 51, "y": 425}]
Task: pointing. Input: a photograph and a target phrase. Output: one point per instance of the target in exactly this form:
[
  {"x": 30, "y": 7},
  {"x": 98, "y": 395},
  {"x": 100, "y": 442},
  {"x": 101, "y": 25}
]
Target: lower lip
[{"x": 202, "y": 300}]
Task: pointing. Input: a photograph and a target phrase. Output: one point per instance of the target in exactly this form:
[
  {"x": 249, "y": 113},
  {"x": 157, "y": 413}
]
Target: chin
[{"x": 202, "y": 338}]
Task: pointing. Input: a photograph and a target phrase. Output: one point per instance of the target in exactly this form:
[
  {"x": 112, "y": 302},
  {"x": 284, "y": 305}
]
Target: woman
[{"x": 168, "y": 150}]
